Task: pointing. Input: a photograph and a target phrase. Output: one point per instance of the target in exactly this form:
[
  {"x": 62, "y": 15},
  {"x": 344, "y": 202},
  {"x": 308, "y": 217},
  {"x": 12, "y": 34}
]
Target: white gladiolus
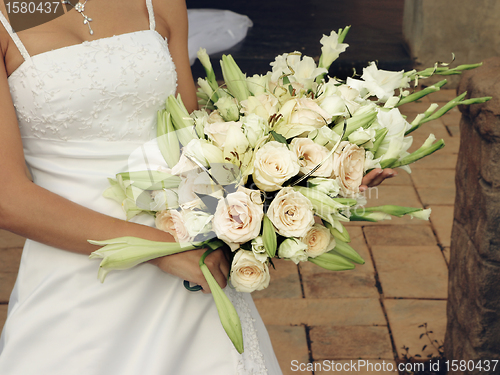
[
  {"x": 362, "y": 137},
  {"x": 383, "y": 83},
  {"x": 306, "y": 71},
  {"x": 331, "y": 49},
  {"x": 422, "y": 215}
]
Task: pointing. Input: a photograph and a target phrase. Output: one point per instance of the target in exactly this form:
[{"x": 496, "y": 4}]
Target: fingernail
[
  {"x": 379, "y": 172},
  {"x": 362, "y": 188}
]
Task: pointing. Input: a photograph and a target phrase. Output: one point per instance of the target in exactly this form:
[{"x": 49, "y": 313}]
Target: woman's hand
[
  {"x": 185, "y": 265},
  {"x": 376, "y": 177}
]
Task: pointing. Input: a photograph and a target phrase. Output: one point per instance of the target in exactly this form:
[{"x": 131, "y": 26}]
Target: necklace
[{"x": 80, "y": 8}]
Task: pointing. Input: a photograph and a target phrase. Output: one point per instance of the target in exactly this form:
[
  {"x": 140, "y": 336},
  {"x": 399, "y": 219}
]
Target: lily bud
[
  {"x": 228, "y": 109},
  {"x": 234, "y": 78},
  {"x": 207, "y": 65},
  {"x": 167, "y": 139}
]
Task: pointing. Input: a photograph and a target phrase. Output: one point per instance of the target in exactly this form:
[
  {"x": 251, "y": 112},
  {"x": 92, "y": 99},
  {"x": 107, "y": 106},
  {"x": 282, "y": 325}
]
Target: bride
[{"x": 74, "y": 106}]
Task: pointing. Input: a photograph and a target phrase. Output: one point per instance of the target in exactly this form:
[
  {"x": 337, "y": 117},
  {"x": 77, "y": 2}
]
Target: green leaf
[{"x": 278, "y": 137}]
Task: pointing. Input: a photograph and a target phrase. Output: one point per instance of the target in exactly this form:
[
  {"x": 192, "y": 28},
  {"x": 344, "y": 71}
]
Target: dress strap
[
  {"x": 14, "y": 37},
  {"x": 152, "y": 22}
]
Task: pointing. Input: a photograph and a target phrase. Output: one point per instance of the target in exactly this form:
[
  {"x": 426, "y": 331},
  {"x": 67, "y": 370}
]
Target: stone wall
[
  {"x": 473, "y": 330},
  {"x": 433, "y": 29}
]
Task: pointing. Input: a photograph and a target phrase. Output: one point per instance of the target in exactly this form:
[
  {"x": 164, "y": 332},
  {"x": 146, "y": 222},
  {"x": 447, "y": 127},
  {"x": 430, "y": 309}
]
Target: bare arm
[{"x": 173, "y": 13}]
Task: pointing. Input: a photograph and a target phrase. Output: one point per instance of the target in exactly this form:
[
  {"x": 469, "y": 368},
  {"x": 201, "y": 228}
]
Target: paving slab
[
  {"x": 442, "y": 221},
  {"x": 316, "y": 312},
  {"x": 436, "y": 196},
  {"x": 356, "y": 283},
  {"x": 415, "y": 107},
  {"x": 391, "y": 194},
  {"x": 285, "y": 281},
  {"x": 428, "y": 277},
  {"x": 387, "y": 194},
  {"x": 437, "y": 160},
  {"x": 8, "y": 239},
  {"x": 356, "y": 367},
  {"x": 392, "y": 235},
  {"x": 451, "y": 145},
  {"x": 402, "y": 178},
  {"x": 319, "y": 283},
  {"x": 406, "y": 315},
  {"x": 443, "y": 95},
  {"x": 291, "y": 345},
  {"x": 330, "y": 342},
  {"x": 3, "y": 315},
  {"x": 452, "y": 118},
  {"x": 454, "y": 129},
  {"x": 436, "y": 178}
]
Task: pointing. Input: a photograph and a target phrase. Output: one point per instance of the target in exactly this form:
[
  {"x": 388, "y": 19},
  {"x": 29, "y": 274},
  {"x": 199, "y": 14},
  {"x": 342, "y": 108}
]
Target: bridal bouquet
[{"x": 272, "y": 167}]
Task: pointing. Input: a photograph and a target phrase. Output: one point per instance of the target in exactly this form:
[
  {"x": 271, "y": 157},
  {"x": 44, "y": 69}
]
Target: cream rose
[
  {"x": 307, "y": 112},
  {"x": 291, "y": 213},
  {"x": 274, "y": 164},
  {"x": 310, "y": 154},
  {"x": 171, "y": 221},
  {"x": 318, "y": 240},
  {"x": 247, "y": 273},
  {"x": 237, "y": 219},
  {"x": 348, "y": 166}
]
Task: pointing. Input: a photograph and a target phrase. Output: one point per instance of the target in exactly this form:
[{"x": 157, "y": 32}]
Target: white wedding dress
[{"x": 82, "y": 111}]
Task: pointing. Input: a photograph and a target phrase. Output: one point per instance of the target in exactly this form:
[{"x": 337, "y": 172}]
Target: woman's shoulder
[
  {"x": 171, "y": 16},
  {"x": 4, "y": 35}
]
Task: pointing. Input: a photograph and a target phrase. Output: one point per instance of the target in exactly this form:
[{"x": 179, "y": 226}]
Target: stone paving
[{"x": 373, "y": 311}]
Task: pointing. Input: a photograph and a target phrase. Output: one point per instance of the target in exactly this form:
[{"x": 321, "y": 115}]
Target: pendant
[{"x": 80, "y": 8}]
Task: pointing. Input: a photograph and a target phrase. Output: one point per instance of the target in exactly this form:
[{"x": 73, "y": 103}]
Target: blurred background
[{"x": 298, "y": 25}]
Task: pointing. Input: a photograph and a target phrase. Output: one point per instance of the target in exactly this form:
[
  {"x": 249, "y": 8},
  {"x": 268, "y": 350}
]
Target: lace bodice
[{"x": 106, "y": 89}]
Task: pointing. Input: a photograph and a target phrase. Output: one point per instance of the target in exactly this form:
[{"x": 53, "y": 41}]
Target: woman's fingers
[
  {"x": 376, "y": 177},
  {"x": 218, "y": 266},
  {"x": 185, "y": 265}
]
